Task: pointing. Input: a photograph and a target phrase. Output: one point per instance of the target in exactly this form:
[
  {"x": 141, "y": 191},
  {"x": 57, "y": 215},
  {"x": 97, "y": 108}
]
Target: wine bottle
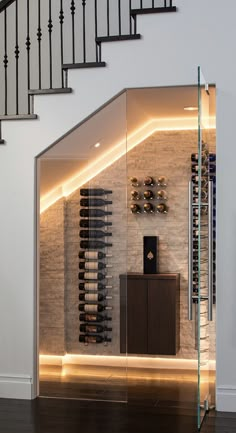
[
  {"x": 94, "y": 224},
  {"x": 96, "y": 308},
  {"x": 86, "y": 192},
  {"x": 93, "y": 234},
  {"x": 93, "y": 318},
  {"x": 93, "y": 244},
  {"x": 148, "y": 208},
  {"x": 149, "y": 181},
  {"x": 148, "y": 195},
  {"x": 195, "y": 169},
  {"x": 93, "y": 276},
  {"x": 162, "y": 181},
  {"x": 93, "y": 286},
  {"x": 135, "y": 195},
  {"x": 93, "y": 255},
  {"x": 93, "y": 297},
  {"x": 162, "y": 195},
  {"x": 194, "y": 158},
  {"x": 134, "y": 181},
  {"x": 135, "y": 208},
  {"x": 93, "y": 265},
  {"x": 87, "y": 202},
  {"x": 195, "y": 180},
  {"x": 88, "y": 213},
  {"x": 162, "y": 208},
  {"x": 93, "y": 329},
  {"x": 212, "y": 157},
  {"x": 93, "y": 339}
]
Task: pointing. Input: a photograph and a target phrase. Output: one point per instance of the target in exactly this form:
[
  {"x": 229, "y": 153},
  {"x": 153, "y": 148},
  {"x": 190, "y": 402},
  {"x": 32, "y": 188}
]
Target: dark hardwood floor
[
  {"x": 47, "y": 415},
  {"x": 163, "y": 401}
]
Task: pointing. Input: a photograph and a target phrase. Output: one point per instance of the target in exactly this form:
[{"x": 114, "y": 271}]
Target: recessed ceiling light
[
  {"x": 97, "y": 145},
  {"x": 191, "y": 108}
]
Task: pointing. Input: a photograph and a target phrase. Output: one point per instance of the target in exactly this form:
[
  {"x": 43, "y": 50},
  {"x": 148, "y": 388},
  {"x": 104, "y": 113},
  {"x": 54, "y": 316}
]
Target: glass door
[{"x": 204, "y": 235}]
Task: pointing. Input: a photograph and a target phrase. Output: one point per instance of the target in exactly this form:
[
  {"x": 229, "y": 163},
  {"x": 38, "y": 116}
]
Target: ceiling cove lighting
[{"x": 117, "y": 151}]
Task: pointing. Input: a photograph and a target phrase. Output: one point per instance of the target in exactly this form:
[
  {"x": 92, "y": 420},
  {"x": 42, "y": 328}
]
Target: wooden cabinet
[{"x": 149, "y": 314}]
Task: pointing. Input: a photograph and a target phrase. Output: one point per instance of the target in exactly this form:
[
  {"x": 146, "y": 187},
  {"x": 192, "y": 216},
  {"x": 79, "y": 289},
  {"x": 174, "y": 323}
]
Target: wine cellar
[{"x": 128, "y": 174}]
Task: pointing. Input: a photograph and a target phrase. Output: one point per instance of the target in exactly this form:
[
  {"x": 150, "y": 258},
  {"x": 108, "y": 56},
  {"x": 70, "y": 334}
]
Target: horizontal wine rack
[
  {"x": 149, "y": 195},
  {"x": 95, "y": 239}
]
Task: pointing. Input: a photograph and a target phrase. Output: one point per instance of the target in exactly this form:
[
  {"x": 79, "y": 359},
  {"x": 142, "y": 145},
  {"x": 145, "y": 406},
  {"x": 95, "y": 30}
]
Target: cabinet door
[
  {"x": 162, "y": 317},
  {"x": 137, "y": 316}
]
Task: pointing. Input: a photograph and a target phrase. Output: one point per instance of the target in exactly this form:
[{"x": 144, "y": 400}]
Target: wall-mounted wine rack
[
  {"x": 94, "y": 226},
  {"x": 207, "y": 228},
  {"x": 149, "y": 196}
]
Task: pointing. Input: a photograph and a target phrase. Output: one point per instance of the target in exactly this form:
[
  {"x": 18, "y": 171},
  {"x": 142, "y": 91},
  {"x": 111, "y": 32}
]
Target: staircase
[{"x": 42, "y": 40}]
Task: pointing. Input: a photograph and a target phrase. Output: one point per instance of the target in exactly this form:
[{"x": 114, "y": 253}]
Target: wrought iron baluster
[
  {"x": 141, "y": 4},
  {"x": 61, "y": 20},
  {"x": 153, "y": 3},
  {"x": 84, "y": 30},
  {"x": 119, "y": 13},
  {"x": 165, "y": 4},
  {"x": 72, "y": 8},
  {"x": 17, "y": 53},
  {"x": 5, "y": 61},
  {"x": 39, "y": 37},
  {"x": 108, "y": 17},
  {"x": 98, "y": 49},
  {"x": 50, "y": 27},
  {"x": 171, "y": 4},
  {"x": 130, "y": 18},
  {"x": 28, "y": 44}
]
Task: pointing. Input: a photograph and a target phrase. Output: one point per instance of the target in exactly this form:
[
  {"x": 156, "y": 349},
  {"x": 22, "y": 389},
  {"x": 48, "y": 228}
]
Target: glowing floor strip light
[{"x": 116, "y": 152}]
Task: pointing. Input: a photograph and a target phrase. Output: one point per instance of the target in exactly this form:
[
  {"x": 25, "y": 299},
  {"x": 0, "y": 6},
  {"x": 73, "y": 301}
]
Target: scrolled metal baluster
[
  {"x": 17, "y": 53},
  {"x": 119, "y": 13},
  {"x": 39, "y": 38},
  {"x": 84, "y": 30},
  {"x": 61, "y": 20},
  {"x": 72, "y": 8},
  {"x": 5, "y": 61},
  {"x": 28, "y": 45},
  {"x": 50, "y": 27}
]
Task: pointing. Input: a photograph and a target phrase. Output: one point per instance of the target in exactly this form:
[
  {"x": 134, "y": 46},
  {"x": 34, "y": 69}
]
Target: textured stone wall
[
  {"x": 164, "y": 153},
  {"x": 52, "y": 280}
]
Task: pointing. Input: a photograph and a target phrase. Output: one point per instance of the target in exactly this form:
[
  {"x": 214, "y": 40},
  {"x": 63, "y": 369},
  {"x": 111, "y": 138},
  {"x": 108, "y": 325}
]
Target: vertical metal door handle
[
  {"x": 210, "y": 246},
  {"x": 190, "y": 251}
]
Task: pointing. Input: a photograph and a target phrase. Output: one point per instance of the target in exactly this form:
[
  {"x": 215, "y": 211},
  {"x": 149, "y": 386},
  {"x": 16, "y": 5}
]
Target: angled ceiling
[{"x": 109, "y": 126}]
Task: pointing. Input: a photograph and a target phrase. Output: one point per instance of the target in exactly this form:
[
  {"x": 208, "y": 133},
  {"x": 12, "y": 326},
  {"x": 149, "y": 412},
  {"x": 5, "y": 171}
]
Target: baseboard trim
[
  {"x": 16, "y": 386},
  {"x": 226, "y": 398}
]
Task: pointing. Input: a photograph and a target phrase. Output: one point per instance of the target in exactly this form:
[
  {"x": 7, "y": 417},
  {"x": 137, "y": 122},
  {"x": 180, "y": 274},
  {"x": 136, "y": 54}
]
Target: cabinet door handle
[{"x": 190, "y": 250}]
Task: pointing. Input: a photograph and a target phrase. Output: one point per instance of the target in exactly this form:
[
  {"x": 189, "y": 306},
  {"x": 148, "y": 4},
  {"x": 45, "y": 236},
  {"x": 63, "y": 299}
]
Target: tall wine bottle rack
[
  {"x": 94, "y": 294},
  {"x": 207, "y": 229}
]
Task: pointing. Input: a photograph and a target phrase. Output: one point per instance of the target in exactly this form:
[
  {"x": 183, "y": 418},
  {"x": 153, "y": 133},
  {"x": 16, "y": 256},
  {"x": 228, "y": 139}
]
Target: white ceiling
[{"x": 109, "y": 126}]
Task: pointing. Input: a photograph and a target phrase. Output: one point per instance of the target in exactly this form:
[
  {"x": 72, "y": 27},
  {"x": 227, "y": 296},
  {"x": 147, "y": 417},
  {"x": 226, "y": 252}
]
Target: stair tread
[
  {"x": 117, "y": 38},
  {"x": 153, "y": 10},
  {"x": 83, "y": 65},
  {"x": 50, "y": 91},
  {"x": 18, "y": 117}
]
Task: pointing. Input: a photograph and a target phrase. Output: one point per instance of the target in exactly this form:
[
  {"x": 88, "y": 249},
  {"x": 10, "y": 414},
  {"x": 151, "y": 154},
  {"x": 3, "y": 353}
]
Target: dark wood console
[{"x": 152, "y": 303}]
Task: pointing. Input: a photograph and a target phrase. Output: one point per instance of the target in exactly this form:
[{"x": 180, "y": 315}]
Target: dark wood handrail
[{"x": 4, "y": 4}]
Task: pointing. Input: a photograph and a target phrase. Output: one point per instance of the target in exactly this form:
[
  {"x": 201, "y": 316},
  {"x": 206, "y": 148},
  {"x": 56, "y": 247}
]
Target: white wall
[{"x": 201, "y": 33}]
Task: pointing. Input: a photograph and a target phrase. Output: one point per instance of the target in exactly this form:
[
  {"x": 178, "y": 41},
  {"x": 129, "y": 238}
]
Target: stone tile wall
[{"x": 164, "y": 153}]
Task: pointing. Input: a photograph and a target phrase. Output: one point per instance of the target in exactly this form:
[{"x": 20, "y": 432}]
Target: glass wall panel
[{"x": 83, "y": 257}]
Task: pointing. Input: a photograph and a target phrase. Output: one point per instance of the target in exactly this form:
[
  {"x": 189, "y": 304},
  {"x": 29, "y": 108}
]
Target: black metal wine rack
[
  {"x": 208, "y": 174},
  {"x": 149, "y": 196},
  {"x": 95, "y": 320}
]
